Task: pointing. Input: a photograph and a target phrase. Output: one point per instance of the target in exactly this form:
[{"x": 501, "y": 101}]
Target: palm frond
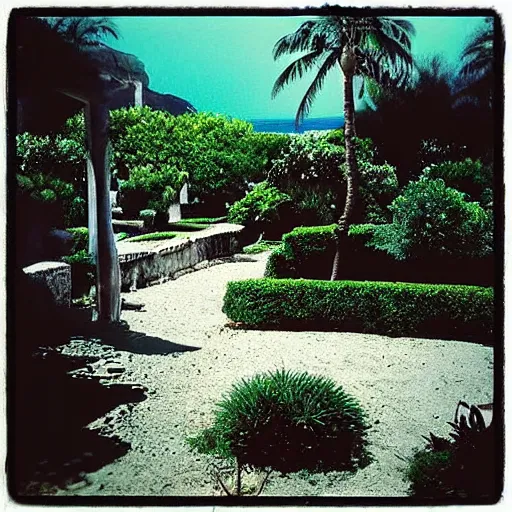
[
  {"x": 314, "y": 88},
  {"x": 295, "y": 70},
  {"x": 300, "y": 40}
]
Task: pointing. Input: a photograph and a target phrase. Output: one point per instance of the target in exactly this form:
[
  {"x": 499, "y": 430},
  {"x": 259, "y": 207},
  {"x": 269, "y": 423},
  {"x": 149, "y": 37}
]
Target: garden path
[{"x": 407, "y": 386}]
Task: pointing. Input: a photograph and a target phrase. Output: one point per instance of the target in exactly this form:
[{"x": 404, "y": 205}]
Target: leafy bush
[
  {"x": 431, "y": 218},
  {"x": 305, "y": 252},
  {"x": 203, "y": 220},
  {"x": 288, "y": 421},
  {"x": 262, "y": 246},
  {"x": 312, "y": 171},
  {"x": 151, "y": 186},
  {"x": 51, "y": 169},
  {"x": 83, "y": 272},
  {"x": 394, "y": 309},
  {"x": 261, "y": 205},
  {"x": 468, "y": 176},
  {"x": 159, "y": 235},
  {"x": 80, "y": 239},
  {"x": 457, "y": 468},
  {"x": 309, "y": 171}
]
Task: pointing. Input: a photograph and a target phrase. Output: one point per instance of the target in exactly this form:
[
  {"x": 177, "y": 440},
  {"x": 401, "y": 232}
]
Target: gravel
[{"x": 187, "y": 358}]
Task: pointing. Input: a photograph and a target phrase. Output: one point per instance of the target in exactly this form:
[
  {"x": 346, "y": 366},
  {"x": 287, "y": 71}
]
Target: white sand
[{"x": 407, "y": 386}]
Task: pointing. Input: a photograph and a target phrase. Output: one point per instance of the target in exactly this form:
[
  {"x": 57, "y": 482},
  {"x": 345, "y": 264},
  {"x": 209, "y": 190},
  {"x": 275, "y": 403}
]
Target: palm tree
[
  {"x": 377, "y": 49},
  {"x": 83, "y": 31},
  {"x": 477, "y": 73}
]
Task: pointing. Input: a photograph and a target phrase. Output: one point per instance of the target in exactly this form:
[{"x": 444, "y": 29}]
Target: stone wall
[
  {"x": 56, "y": 276},
  {"x": 146, "y": 263}
]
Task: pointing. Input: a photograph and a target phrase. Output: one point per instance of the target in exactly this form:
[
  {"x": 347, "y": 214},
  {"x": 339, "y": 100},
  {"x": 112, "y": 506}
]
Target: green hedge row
[
  {"x": 394, "y": 309},
  {"x": 308, "y": 252}
]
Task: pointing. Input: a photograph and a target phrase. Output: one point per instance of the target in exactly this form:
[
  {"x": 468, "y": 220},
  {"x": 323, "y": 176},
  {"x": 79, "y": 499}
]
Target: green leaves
[
  {"x": 287, "y": 421},
  {"x": 395, "y": 309},
  {"x": 259, "y": 205},
  {"x": 431, "y": 218}
]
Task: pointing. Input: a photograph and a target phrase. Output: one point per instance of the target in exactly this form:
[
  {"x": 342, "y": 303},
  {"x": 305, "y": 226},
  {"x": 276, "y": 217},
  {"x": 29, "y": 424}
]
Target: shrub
[
  {"x": 80, "y": 239},
  {"x": 312, "y": 171},
  {"x": 394, "y": 309},
  {"x": 159, "y": 235},
  {"x": 457, "y": 468},
  {"x": 280, "y": 264},
  {"x": 264, "y": 245},
  {"x": 203, "y": 220},
  {"x": 305, "y": 252},
  {"x": 151, "y": 186},
  {"x": 51, "y": 169},
  {"x": 468, "y": 176},
  {"x": 261, "y": 205},
  {"x": 430, "y": 218},
  {"x": 288, "y": 421},
  {"x": 218, "y": 155},
  {"x": 83, "y": 272},
  {"x": 309, "y": 171}
]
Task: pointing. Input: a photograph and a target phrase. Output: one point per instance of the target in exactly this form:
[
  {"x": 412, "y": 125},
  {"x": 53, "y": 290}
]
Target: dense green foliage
[
  {"x": 154, "y": 153},
  {"x": 187, "y": 226},
  {"x": 468, "y": 176},
  {"x": 447, "y": 128},
  {"x": 80, "y": 238},
  {"x": 158, "y": 235},
  {"x": 394, "y": 309},
  {"x": 288, "y": 421},
  {"x": 260, "y": 206},
  {"x": 307, "y": 252},
  {"x": 431, "y": 218},
  {"x": 312, "y": 171},
  {"x": 299, "y": 248},
  {"x": 83, "y": 268},
  {"x": 50, "y": 170},
  {"x": 262, "y": 246},
  {"x": 462, "y": 467},
  {"x": 203, "y": 220}
]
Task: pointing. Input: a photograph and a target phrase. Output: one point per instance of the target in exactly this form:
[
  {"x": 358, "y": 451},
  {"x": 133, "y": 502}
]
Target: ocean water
[{"x": 288, "y": 125}]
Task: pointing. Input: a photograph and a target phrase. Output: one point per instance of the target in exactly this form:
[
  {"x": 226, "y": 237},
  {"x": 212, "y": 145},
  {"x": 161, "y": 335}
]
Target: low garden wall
[
  {"x": 54, "y": 275},
  {"x": 146, "y": 263}
]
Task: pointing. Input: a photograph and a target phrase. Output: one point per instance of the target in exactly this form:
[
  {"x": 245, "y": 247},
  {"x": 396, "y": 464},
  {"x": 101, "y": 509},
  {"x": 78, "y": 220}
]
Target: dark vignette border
[{"x": 499, "y": 213}]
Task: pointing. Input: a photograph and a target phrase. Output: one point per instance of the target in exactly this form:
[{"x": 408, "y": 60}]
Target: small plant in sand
[
  {"x": 458, "y": 468},
  {"x": 286, "y": 421}
]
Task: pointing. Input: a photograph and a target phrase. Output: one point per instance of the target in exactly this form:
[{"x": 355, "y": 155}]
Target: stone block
[{"x": 56, "y": 276}]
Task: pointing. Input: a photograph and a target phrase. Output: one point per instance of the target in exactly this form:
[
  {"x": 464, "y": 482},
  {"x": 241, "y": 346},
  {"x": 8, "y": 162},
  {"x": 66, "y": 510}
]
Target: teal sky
[{"x": 225, "y": 64}]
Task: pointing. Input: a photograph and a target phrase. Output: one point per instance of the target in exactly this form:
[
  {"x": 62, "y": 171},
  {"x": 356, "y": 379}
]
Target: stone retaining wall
[
  {"x": 56, "y": 276},
  {"x": 146, "y": 263}
]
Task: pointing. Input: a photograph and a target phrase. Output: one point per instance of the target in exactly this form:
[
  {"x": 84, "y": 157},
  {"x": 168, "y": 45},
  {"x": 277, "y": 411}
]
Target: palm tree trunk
[
  {"x": 108, "y": 271},
  {"x": 350, "y": 155}
]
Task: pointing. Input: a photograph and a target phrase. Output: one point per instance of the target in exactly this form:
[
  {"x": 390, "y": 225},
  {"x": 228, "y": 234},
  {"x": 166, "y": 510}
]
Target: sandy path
[{"x": 407, "y": 386}]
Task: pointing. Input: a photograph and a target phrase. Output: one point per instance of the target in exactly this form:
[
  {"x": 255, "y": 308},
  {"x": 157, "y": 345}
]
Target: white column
[
  {"x": 138, "y": 94},
  {"x": 108, "y": 270}
]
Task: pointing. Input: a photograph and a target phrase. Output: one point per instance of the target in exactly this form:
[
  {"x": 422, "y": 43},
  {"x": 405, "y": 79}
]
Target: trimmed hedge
[
  {"x": 308, "y": 252},
  {"x": 158, "y": 235},
  {"x": 394, "y": 309}
]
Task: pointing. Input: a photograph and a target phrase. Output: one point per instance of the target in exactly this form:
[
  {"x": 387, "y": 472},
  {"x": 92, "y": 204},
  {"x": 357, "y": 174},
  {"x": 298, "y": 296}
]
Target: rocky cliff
[{"x": 44, "y": 62}]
